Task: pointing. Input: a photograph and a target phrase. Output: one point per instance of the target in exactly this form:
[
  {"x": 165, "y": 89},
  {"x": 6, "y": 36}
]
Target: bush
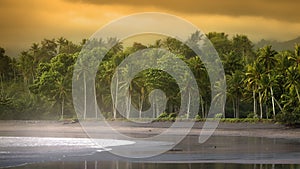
[
  {"x": 218, "y": 115},
  {"x": 252, "y": 115},
  {"x": 290, "y": 116},
  {"x": 166, "y": 117},
  {"x": 107, "y": 115}
]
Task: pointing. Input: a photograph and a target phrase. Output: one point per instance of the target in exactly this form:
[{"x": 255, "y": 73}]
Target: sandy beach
[{"x": 69, "y": 129}]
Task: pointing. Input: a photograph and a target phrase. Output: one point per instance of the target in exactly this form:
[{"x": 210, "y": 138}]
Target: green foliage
[
  {"x": 54, "y": 80},
  {"x": 219, "y": 115},
  {"x": 290, "y": 114},
  {"x": 37, "y": 84},
  {"x": 17, "y": 103},
  {"x": 166, "y": 117},
  {"x": 246, "y": 120}
]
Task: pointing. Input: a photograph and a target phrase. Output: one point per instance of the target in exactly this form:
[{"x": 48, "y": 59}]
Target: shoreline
[
  {"x": 219, "y": 149},
  {"x": 67, "y": 129}
]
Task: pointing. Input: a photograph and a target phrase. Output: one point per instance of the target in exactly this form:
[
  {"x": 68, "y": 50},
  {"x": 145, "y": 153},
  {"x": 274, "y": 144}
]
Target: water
[
  {"x": 130, "y": 165},
  {"x": 218, "y": 152},
  {"x": 56, "y": 141}
]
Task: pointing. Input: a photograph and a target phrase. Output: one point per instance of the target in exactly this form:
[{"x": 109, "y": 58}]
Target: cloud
[
  {"x": 287, "y": 10},
  {"x": 25, "y": 22}
]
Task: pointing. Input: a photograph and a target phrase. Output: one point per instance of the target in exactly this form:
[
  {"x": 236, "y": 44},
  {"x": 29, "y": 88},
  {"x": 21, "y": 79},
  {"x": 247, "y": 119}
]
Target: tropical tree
[
  {"x": 54, "y": 80},
  {"x": 266, "y": 56},
  {"x": 200, "y": 73},
  {"x": 243, "y": 47},
  {"x": 5, "y": 66},
  {"x": 26, "y": 66},
  {"x": 253, "y": 75},
  {"x": 296, "y": 57},
  {"x": 232, "y": 62},
  {"x": 292, "y": 81},
  {"x": 221, "y": 42},
  {"x": 234, "y": 89}
]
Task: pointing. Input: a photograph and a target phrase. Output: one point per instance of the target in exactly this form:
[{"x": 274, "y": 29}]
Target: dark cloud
[{"x": 287, "y": 10}]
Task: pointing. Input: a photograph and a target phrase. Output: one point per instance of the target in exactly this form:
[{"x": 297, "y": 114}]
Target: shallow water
[
  {"x": 56, "y": 141},
  {"x": 217, "y": 152}
]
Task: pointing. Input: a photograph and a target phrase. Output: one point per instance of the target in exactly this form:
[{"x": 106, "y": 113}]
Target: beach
[
  {"x": 261, "y": 143},
  {"x": 69, "y": 129}
]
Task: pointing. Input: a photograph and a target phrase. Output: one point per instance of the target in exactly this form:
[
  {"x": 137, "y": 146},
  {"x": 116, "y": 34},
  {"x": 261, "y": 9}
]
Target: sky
[{"x": 25, "y": 22}]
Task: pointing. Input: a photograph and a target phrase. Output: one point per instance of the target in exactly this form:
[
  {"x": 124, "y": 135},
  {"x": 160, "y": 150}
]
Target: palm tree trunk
[
  {"x": 267, "y": 110},
  {"x": 141, "y": 105},
  {"x": 297, "y": 92},
  {"x": 157, "y": 107},
  {"x": 1, "y": 83},
  {"x": 260, "y": 105},
  {"x": 140, "y": 109},
  {"x": 254, "y": 103},
  {"x": 233, "y": 108},
  {"x": 202, "y": 106},
  {"x": 153, "y": 104},
  {"x": 281, "y": 109},
  {"x": 62, "y": 107},
  {"x": 206, "y": 109},
  {"x": 116, "y": 97},
  {"x": 85, "y": 101},
  {"x": 128, "y": 105},
  {"x": 273, "y": 102},
  {"x": 188, "y": 106},
  {"x": 237, "y": 107},
  {"x": 95, "y": 104}
]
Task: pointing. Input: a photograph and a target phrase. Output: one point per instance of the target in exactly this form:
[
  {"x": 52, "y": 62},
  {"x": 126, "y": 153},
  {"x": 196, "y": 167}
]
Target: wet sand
[{"x": 230, "y": 143}]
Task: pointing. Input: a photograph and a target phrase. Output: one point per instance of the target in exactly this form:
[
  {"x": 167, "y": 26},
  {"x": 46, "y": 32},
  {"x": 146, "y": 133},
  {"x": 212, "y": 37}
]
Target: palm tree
[
  {"x": 251, "y": 81},
  {"x": 138, "y": 86},
  {"x": 61, "y": 93},
  {"x": 114, "y": 44},
  {"x": 232, "y": 62},
  {"x": 266, "y": 56},
  {"x": 243, "y": 47},
  {"x": 26, "y": 67},
  {"x": 264, "y": 82},
  {"x": 61, "y": 42},
  {"x": 293, "y": 83},
  {"x": 200, "y": 73},
  {"x": 296, "y": 57},
  {"x": 234, "y": 83},
  {"x": 48, "y": 50},
  {"x": 14, "y": 66}
]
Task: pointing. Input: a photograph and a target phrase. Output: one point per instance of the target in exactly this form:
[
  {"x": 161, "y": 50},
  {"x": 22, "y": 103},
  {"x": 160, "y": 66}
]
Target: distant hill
[{"x": 279, "y": 46}]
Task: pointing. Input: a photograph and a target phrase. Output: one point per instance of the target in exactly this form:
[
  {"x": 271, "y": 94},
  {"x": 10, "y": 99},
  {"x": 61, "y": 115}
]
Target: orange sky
[{"x": 25, "y": 22}]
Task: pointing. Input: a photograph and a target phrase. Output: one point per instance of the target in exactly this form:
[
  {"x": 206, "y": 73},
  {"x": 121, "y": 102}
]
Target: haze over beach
[{"x": 25, "y": 22}]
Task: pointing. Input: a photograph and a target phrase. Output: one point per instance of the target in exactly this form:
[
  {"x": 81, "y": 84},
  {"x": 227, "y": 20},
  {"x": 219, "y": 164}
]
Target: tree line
[{"x": 261, "y": 83}]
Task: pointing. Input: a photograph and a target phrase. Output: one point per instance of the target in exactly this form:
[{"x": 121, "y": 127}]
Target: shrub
[{"x": 166, "y": 117}]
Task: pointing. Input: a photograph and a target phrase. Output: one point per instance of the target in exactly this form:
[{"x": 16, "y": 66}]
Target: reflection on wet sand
[{"x": 129, "y": 165}]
